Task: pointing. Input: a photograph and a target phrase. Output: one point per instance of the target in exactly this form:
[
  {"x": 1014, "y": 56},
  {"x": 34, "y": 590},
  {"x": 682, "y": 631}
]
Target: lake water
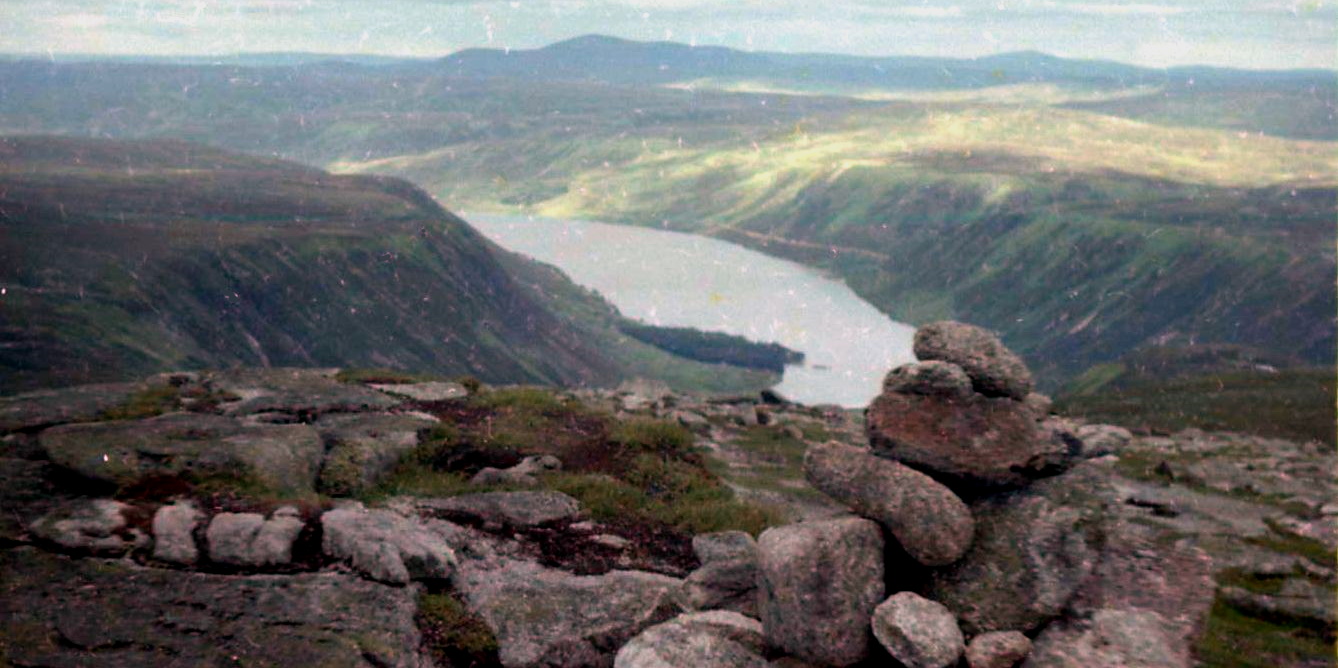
[{"x": 684, "y": 280}]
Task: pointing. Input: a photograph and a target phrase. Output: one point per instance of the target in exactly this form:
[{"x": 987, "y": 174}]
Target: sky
[{"x": 1253, "y": 34}]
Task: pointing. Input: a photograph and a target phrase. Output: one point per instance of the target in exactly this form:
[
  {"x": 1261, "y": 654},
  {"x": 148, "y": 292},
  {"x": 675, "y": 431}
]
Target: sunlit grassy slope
[{"x": 1080, "y": 236}]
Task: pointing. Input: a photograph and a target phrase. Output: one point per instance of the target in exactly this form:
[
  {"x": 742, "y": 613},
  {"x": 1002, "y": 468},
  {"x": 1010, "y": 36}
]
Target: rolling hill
[{"x": 124, "y": 258}]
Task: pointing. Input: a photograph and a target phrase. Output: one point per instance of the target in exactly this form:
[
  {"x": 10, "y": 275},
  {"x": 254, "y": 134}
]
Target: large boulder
[
  {"x": 820, "y": 582},
  {"x": 926, "y": 518},
  {"x": 917, "y": 631},
  {"x": 197, "y": 446},
  {"x": 58, "y": 611},
  {"x": 727, "y": 579},
  {"x": 1111, "y": 638},
  {"x": 973, "y": 444},
  {"x": 548, "y": 618},
  {"x": 994, "y": 370},
  {"x": 1033, "y": 550},
  {"x": 506, "y": 509},
  {"x": 384, "y": 545},
  {"x": 939, "y": 379},
  {"x": 715, "y": 639},
  {"x": 362, "y": 448}
]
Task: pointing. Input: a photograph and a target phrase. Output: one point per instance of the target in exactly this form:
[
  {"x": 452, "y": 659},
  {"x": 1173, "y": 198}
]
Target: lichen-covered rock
[
  {"x": 98, "y": 526},
  {"x": 384, "y": 545},
  {"x": 926, "y": 518},
  {"x": 1112, "y": 638},
  {"x": 362, "y": 448},
  {"x": 997, "y": 649},
  {"x": 994, "y": 370},
  {"x": 174, "y": 533},
  {"x": 283, "y": 457},
  {"x": 250, "y": 540},
  {"x": 58, "y": 611},
  {"x": 523, "y": 474},
  {"x": 716, "y": 639},
  {"x": 1033, "y": 549},
  {"x": 932, "y": 378},
  {"x": 506, "y": 509},
  {"x": 544, "y": 617},
  {"x": 917, "y": 631},
  {"x": 973, "y": 445},
  {"x": 820, "y": 582}
]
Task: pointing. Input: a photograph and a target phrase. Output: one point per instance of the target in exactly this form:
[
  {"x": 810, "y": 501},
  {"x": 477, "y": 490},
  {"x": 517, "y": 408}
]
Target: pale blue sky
[{"x": 1237, "y": 33}]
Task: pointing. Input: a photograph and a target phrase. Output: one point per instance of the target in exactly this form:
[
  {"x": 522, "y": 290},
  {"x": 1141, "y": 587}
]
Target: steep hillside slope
[{"x": 120, "y": 258}]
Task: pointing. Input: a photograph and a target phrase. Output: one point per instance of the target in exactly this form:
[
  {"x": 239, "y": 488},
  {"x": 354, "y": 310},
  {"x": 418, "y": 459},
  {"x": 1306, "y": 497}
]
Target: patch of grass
[
  {"x": 1295, "y": 404},
  {"x": 1281, "y": 540},
  {"x": 419, "y": 481},
  {"x": 146, "y": 403},
  {"x": 1233, "y": 639},
  {"x": 382, "y": 377},
  {"x": 667, "y": 439},
  {"x": 521, "y": 399},
  {"x": 453, "y": 635}
]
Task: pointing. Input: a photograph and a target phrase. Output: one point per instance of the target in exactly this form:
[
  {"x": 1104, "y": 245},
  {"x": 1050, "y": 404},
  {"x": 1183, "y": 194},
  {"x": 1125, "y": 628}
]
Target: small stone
[
  {"x": 248, "y": 539},
  {"x": 994, "y": 370},
  {"x": 94, "y": 525},
  {"x": 714, "y": 639},
  {"x": 999, "y": 649},
  {"x": 610, "y": 541},
  {"x": 174, "y": 533},
  {"x": 917, "y": 631},
  {"x": 932, "y": 378},
  {"x": 385, "y": 546}
]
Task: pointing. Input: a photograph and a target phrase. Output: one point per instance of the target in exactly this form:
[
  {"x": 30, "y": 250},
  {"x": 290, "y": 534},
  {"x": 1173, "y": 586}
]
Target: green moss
[
  {"x": 382, "y": 376},
  {"x": 668, "y": 439},
  {"x": 454, "y": 635},
  {"x": 1232, "y": 639},
  {"x": 146, "y": 403}
]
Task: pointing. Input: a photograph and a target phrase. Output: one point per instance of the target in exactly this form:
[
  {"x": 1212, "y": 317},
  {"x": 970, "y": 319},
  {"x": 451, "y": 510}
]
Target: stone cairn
[{"x": 980, "y": 533}]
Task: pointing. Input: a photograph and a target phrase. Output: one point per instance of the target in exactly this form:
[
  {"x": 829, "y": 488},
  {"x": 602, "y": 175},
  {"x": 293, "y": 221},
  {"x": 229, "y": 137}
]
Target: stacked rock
[{"x": 956, "y": 441}]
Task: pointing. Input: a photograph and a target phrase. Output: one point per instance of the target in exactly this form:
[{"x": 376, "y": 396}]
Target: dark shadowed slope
[{"x": 120, "y": 258}]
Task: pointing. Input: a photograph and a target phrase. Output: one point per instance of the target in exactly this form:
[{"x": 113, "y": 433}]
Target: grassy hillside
[
  {"x": 123, "y": 258},
  {"x": 1209, "y": 387},
  {"x": 1079, "y": 236}
]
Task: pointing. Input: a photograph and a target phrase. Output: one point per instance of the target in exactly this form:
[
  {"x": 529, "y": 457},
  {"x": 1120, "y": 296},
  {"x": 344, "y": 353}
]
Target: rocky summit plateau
[{"x": 267, "y": 517}]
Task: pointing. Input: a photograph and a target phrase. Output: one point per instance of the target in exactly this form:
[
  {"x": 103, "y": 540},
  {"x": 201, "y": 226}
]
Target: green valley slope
[
  {"x": 1079, "y": 236},
  {"x": 123, "y": 258}
]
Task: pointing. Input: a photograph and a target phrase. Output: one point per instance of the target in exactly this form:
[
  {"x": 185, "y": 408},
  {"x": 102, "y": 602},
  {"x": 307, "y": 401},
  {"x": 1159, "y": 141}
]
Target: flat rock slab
[
  {"x": 97, "y": 526},
  {"x": 506, "y": 509},
  {"x": 251, "y": 540},
  {"x": 282, "y": 457},
  {"x": 59, "y": 611},
  {"x": 433, "y": 391},
  {"x": 45, "y": 408},
  {"x": 970, "y": 444},
  {"x": 1112, "y": 638},
  {"x": 548, "y": 618},
  {"x": 304, "y": 392}
]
